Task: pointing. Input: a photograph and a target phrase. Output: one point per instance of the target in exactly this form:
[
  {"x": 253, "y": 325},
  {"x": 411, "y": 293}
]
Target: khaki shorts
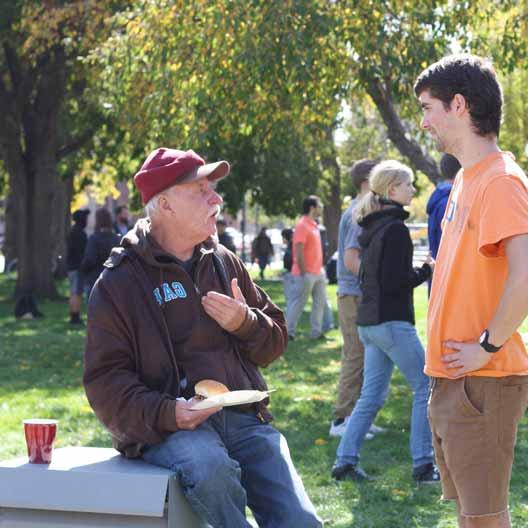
[{"x": 474, "y": 425}]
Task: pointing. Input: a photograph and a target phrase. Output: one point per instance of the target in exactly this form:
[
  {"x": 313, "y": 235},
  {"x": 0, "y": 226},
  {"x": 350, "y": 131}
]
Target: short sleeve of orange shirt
[
  {"x": 504, "y": 214},
  {"x": 300, "y": 235}
]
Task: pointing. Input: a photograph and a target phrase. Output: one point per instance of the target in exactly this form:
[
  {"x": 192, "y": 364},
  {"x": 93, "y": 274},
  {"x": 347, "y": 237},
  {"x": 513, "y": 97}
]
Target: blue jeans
[
  {"x": 302, "y": 287},
  {"x": 287, "y": 281},
  {"x": 387, "y": 344},
  {"x": 233, "y": 460}
]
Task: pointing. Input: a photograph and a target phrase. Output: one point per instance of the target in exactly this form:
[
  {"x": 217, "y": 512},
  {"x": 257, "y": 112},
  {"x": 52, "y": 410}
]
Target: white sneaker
[
  {"x": 376, "y": 429},
  {"x": 340, "y": 428}
]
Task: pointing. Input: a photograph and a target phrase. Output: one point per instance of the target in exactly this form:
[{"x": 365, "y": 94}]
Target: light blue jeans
[
  {"x": 288, "y": 283},
  {"x": 302, "y": 287},
  {"x": 388, "y": 344},
  {"x": 233, "y": 460}
]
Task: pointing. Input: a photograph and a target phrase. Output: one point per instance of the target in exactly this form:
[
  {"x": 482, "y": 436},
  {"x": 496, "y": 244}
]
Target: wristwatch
[{"x": 486, "y": 345}]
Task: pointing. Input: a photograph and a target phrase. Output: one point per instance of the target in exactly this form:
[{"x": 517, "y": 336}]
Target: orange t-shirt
[
  {"x": 307, "y": 233},
  {"x": 488, "y": 204}
]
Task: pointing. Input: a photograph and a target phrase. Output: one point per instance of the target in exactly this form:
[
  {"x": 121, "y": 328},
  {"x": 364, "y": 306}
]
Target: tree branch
[
  {"x": 13, "y": 66},
  {"x": 74, "y": 144},
  {"x": 396, "y": 131}
]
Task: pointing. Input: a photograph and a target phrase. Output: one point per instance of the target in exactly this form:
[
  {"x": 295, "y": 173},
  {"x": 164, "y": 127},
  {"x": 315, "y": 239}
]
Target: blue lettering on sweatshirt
[{"x": 169, "y": 292}]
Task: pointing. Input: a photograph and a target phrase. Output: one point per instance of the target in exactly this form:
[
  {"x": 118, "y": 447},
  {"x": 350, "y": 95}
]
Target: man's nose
[
  {"x": 424, "y": 123},
  {"x": 215, "y": 198}
]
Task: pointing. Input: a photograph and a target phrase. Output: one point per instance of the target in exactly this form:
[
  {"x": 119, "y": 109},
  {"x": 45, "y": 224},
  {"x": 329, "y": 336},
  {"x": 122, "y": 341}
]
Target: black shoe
[
  {"x": 350, "y": 472},
  {"x": 426, "y": 474},
  {"x": 75, "y": 319},
  {"x": 322, "y": 337}
]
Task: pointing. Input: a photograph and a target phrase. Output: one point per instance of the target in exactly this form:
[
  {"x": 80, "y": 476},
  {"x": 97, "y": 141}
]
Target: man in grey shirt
[{"x": 348, "y": 294}]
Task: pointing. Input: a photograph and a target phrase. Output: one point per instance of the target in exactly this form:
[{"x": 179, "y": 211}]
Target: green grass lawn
[{"x": 40, "y": 376}]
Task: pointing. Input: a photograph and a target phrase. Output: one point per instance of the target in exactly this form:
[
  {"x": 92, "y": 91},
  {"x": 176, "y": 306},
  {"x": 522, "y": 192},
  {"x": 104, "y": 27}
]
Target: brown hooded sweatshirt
[{"x": 149, "y": 339}]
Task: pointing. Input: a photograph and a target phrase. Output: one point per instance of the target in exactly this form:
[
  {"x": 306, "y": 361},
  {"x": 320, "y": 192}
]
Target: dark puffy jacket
[
  {"x": 97, "y": 250},
  {"x": 387, "y": 277},
  {"x": 76, "y": 245}
]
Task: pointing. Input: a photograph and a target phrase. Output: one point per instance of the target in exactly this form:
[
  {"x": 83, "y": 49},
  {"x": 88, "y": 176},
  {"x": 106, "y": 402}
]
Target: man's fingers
[
  {"x": 220, "y": 301},
  {"x": 448, "y": 358},
  {"x": 454, "y": 345},
  {"x": 216, "y": 297},
  {"x": 454, "y": 365},
  {"x": 189, "y": 419},
  {"x": 214, "y": 311},
  {"x": 237, "y": 292},
  {"x": 218, "y": 308}
]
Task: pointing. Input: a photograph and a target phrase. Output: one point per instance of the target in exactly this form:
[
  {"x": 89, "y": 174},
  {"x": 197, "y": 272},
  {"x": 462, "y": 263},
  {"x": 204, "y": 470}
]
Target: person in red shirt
[{"x": 308, "y": 273}]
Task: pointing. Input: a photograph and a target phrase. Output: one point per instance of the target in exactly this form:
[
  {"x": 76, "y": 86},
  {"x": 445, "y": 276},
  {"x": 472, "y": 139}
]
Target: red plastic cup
[{"x": 40, "y": 433}]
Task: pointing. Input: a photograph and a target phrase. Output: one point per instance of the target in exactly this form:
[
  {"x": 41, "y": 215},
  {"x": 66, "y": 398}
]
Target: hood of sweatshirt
[
  {"x": 373, "y": 222},
  {"x": 440, "y": 194},
  {"x": 140, "y": 242}
]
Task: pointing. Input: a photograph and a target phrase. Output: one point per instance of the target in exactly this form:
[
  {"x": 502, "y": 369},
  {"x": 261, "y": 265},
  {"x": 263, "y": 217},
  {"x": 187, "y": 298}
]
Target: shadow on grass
[{"x": 41, "y": 353}]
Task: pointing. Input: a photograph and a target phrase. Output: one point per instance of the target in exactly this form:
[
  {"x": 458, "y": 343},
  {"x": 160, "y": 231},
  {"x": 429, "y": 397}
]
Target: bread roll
[{"x": 208, "y": 388}]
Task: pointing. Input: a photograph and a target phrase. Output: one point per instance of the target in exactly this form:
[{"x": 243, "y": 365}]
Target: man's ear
[
  {"x": 459, "y": 104},
  {"x": 164, "y": 204}
]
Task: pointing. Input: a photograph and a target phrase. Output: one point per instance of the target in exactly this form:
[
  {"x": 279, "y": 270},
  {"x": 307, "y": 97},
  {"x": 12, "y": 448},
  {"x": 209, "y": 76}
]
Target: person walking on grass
[
  {"x": 76, "y": 244},
  {"x": 224, "y": 237},
  {"x": 386, "y": 320},
  {"x": 262, "y": 251},
  {"x": 308, "y": 273},
  {"x": 479, "y": 296},
  {"x": 98, "y": 249},
  {"x": 287, "y": 262},
  {"x": 173, "y": 307},
  {"x": 122, "y": 220},
  {"x": 348, "y": 296},
  {"x": 328, "y": 314}
]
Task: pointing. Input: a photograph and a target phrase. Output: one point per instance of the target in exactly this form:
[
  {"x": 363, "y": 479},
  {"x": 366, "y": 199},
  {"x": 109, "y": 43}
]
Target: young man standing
[
  {"x": 475, "y": 356},
  {"x": 307, "y": 270},
  {"x": 122, "y": 222},
  {"x": 348, "y": 294}
]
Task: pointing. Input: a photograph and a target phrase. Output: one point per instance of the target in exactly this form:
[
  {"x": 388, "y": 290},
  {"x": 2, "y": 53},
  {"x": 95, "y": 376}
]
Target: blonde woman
[{"x": 386, "y": 320}]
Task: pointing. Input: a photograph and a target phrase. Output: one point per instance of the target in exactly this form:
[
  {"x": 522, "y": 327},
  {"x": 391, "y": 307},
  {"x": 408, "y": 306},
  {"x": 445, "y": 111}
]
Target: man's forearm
[
  {"x": 299, "y": 253},
  {"x": 513, "y": 305},
  {"x": 512, "y": 309},
  {"x": 352, "y": 260},
  {"x": 300, "y": 263}
]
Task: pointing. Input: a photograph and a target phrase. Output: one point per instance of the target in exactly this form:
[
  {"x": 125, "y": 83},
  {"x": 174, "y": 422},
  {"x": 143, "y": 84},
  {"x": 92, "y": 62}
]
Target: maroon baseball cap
[{"x": 166, "y": 167}]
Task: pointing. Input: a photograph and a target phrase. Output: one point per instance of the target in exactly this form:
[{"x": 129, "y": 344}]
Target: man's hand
[
  {"x": 467, "y": 358},
  {"x": 228, "y": 312},
  {"x": 190, "y": 420},
  {"x": 430, "y": 261}
]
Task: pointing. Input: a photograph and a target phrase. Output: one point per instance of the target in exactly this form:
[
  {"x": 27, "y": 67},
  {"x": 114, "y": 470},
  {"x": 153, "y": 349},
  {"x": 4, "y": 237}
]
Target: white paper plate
[{"x": 231, "y": 398}]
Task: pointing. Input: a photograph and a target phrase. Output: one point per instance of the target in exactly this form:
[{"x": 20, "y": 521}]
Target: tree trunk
[
  {"x": 29, "y": 145},
  {"x": 332, "y": 210},
  {"x": 396, "y": 131},
  {"x": 33, "y": 191},
  {"x": 9, "y": 249}
]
